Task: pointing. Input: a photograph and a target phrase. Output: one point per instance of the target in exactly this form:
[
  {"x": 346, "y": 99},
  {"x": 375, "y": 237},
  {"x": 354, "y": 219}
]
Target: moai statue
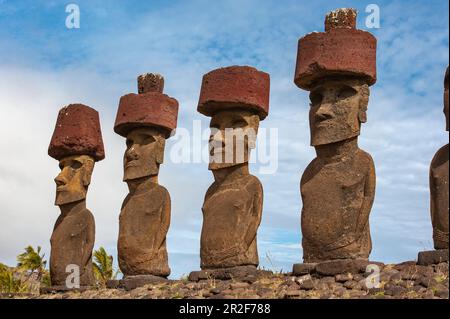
[
  {"x": 77, "y": 144},
  {"x": 338, "y": 187},
  {"x": 145, "y": 120},
  {"x": 439, "y": 197},
  {"x": 237, "y": 99}
]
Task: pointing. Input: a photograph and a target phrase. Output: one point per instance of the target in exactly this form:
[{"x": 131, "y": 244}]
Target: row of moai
[{"x": 337, "y": 67}]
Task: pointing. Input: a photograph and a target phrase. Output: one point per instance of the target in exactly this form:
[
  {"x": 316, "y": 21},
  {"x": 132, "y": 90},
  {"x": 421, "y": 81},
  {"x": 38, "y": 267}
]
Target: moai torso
[
  {"x": 334, "y": 201},
  {"x": 144, "y": 222},
  {"x": 439, "y": 197},
  {"x": 72, "y": 242},
  {"x": 231, "y": 214}
]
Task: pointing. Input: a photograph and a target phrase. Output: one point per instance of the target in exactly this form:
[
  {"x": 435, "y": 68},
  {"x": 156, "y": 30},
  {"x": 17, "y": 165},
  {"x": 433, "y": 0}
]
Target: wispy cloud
[{"x": 44, "y": 66}]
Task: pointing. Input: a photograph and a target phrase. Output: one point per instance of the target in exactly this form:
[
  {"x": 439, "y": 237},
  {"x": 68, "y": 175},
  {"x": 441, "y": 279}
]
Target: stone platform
[
  {"x": 432, "y": 257},
  {"x": 334, "y": 267},
  {"x": 242, "y": 273},
  {"x": 132, "y": 282}
]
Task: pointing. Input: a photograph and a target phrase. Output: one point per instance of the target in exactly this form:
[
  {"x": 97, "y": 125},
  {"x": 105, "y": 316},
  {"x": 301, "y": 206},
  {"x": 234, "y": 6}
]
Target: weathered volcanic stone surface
[
  {"x": 303, "y": 269},
  {"x": 132, "y": 282},
  {"x": 341, "y": 50},
  {"x": 235, "y": 86},
  {"x": 150, "y": 82},
  {"x": 439, "y": 196},
  {"x": 243, "y": 273},
  {"x": 342, "y": 18},
  {"x": 147, "y": 109},
  {"x": 432, "y": 257},
  {"x": 405, "y": 281},
  {"x": 342, "y": 266},
  {"x": 77, "y": 132}
]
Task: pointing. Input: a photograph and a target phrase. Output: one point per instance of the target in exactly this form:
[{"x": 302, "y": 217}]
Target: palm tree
[
  {"x": 32, "y": 261},
  {"x": 103, "y": 266}
]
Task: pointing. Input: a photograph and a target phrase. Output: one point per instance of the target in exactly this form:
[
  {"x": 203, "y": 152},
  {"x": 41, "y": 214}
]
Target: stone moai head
[
  {"x": 337, "y": 66},
  {"x": 77, "y": 144},
  {"x": 237, "y": 99},
  {"x": 73, "y": 181},
  {"x": 446, "y": 88},
  {"x": 145, "y": 120}
]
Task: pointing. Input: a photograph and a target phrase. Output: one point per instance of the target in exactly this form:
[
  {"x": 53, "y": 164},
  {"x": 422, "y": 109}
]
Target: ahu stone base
[
  {"x": 243, "y": 273},
  {"x": 432, "y": 257},
  {"x": 132, "y": 282},
  {"x": 334, "y": 267}
]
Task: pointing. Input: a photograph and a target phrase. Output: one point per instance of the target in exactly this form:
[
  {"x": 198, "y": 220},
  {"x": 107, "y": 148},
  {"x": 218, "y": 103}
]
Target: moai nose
[
  {"x": 132, "y": 154},
  {"x": 60, "y": 180}
]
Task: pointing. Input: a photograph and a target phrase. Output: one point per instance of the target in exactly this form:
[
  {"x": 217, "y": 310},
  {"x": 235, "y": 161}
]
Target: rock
[
  {"x": 132, "y": 282},
  {"x": 239, "y": 285},
  {"x": 432, "y": 257},
  {"x": 303, "y": 269},
  {"x": 198, "y": 275},
  {"x": 292, "y": 294},
  {"x": 341, "y": 266},
  {"x": 395, "y": 291},
  {"x": 301, "y": 279},
  {"x": 215, "y": 291},
  {"x": 351, "y": 284},
  {"x": 307, "y": 284},
  {"x": 343, "y": 277}
]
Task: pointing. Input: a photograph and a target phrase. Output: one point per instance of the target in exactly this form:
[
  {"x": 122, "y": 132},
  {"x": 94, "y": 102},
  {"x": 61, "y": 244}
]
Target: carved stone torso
[
  {"x": 333, "y": 196},
  {"x": 72, "y": 242},
  {"x": 143, "y": 226},
  {"x": 439, "y": 196},
  {"x": 231, "y": 214}
]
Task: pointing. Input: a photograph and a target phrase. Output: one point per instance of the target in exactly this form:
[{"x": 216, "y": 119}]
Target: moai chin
[
  {"x": 145, "y": 120},
  {"x": 338, "y": 187},
  {"x": 77, "y": 144},
  {"x": 439, "y": 185},
  {"x": 237, "y": 99}
]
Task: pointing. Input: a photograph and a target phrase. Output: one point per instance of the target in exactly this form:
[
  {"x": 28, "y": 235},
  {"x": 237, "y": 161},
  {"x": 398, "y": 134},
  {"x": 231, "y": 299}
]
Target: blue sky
[{"x": 45, "y": 66}]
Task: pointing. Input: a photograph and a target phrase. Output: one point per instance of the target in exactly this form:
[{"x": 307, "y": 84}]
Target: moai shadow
[
  {"x": 236, "y": 98},
  {"x": 77, "y": 144},
  {"x": 439, "y": 197},
  {"x": 145, "y": 120},
  {"x": 338, "y": 186}
]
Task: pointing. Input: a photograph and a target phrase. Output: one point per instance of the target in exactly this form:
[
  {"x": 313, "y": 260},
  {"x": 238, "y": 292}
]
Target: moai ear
[
  {"x": 88, "y": 168},
  {"x": 160, "y": 146},
  {"x": 363, "y": 103},
  {"x": 252, "y": 130}
]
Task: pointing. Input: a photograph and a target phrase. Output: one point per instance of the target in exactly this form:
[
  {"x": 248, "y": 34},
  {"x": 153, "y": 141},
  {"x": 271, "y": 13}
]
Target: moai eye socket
[
  {"x": 346, "y": 92},
  {"x": 315, "y": 98},
  {"x": 75, "y": 165},
  {"x": 239, "y": 123},
  {"x": 147, "y": 139}
]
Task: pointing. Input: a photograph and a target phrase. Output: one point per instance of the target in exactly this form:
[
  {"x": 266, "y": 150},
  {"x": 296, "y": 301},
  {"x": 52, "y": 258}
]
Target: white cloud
[{"x": 99, "y": 64}]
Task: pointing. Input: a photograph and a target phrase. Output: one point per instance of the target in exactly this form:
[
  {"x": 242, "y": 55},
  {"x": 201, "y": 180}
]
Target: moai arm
[
  {"x": 363, "y": 217},
  {"x": 90, "y": 240},
  {"x": 256, "y": 215},
  {"x": 165, "y": 222},
  {"x": 432, "y": 195}
]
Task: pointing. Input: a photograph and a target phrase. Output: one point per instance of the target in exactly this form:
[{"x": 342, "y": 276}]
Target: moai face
[
  {"x": 73, "y": 181},
  {"x": 233, "y": 135},
  {"x": 144, "y": 154},
  {"x": 338, "y": 107}
]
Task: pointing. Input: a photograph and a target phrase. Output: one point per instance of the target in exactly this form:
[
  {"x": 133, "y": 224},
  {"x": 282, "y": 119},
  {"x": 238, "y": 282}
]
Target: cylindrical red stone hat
[
  {"x": 149, "y": 108},
  {"x": 340, "y": 50},
  {"x": 77, "y": 132},
  {"x": 235, "y": 87}
]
